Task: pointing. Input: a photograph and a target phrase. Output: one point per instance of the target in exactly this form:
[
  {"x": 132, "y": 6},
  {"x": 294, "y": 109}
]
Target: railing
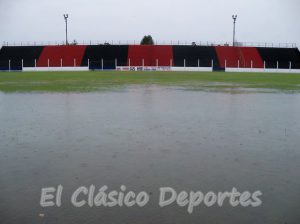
[
  {"x": 194, "y": 43},
  {"x": 102, "y": 62}
]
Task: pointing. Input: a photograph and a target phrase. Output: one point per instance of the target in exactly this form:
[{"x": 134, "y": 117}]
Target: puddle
[{"x": 145, "y": 138}]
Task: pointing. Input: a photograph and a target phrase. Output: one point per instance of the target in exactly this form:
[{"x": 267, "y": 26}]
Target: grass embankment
[{"x": 93, "y": 81}]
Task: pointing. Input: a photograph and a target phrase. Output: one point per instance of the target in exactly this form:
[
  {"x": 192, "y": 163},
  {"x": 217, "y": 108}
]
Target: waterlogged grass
[{"x": 95, "y": 81}]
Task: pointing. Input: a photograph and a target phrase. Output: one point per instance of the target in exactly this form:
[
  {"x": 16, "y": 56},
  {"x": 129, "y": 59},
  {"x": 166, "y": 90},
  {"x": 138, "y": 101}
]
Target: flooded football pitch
[{"x": 146, "y": 138}]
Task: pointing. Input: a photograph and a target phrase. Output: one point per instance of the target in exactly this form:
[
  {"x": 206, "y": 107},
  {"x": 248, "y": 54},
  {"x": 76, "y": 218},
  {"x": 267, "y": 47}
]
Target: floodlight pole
[
  {"x": 66, "y": 16},
  {"x": 234, "y": 17}
]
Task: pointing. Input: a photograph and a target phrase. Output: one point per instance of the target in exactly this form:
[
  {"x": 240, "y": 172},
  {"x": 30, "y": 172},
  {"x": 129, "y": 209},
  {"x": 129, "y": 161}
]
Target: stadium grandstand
[{"x": 177, "y": 57}]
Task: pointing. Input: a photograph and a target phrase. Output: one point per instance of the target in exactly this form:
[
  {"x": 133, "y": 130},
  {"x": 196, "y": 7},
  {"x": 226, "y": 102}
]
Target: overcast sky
[{"x": 185, "y": 20}]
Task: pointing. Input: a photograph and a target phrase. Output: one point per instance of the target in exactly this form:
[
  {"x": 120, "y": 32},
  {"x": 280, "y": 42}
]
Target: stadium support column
[{"x": 234, "y": 17}]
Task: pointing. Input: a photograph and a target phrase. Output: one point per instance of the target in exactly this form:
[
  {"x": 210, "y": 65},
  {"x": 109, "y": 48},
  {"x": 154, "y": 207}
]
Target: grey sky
[{"x": 190, "y": 20}]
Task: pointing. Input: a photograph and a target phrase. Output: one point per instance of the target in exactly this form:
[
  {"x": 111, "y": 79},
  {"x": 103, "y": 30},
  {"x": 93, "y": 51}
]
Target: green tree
[{"x": 147, "y": 40}]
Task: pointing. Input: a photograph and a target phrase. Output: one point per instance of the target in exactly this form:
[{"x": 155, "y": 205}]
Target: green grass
[{"x": 94, "y": 81}]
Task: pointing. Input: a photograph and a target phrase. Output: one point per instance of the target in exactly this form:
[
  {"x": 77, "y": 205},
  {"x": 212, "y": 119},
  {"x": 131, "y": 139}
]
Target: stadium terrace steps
[
  {"x": 228, "y": 56},
  {"x": 61, "y": 56},
  {"x": 281, "y": 55},
  {"x": 150, "y": 55},
  {"x": 243, "y": 57},
  {"x": 250, "y": 57},
  {"x": 195, "y": 56},
  {"x": 94, "y": 54},
  {"x": 17, "y": 54}
]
